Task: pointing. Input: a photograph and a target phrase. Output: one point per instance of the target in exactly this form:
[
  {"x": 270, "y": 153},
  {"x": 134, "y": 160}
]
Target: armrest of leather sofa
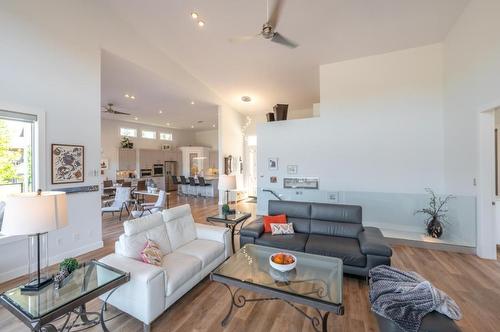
[
  {"x": 253, "y": 229},
  {"x": 372, "y": 242},
  {"x": 215, "y": 233}
]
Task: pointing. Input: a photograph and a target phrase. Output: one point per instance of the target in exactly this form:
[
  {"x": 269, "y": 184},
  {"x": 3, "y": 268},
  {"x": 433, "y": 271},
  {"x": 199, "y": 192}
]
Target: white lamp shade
[
  {"x": 30, "y": 213},
  {"x": 227, "y": 182}
]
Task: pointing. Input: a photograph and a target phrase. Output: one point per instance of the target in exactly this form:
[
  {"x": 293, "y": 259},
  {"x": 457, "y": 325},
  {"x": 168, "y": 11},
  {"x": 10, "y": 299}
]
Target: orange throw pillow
[{"x": 268, "y": 220}]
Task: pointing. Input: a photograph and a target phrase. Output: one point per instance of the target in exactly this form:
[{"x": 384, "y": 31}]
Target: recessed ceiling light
[
  {"x": 194, "y": 15},
  {"x": 168, "y": 123},
  {"x": 201, "y": 23},
  {"x": 192, "y": 102},
  {"x": 136, "y": 118},
  {"x": 213, "y": 125},
  {"x": 192, "y": 126},
  {"x": 246, "y": 99},
  {"x": 127, "y": 95},
  {"x": 160, "y": 112}
]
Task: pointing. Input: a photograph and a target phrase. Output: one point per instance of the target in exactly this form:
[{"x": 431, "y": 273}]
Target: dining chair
[
  {"x": 151, "y": 207},
  {"x": 108, "y": 192},
  {"x": 121, "y": 201}
]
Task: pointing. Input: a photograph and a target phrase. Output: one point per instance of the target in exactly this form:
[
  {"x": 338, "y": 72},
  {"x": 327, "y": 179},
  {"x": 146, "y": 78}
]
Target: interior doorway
[{"x": 487, "y": 203}]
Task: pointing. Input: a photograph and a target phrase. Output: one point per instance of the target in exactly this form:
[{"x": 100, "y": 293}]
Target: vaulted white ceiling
[
  {"x": 326, "y": 30},
  {"x": 152, "y": 94}
]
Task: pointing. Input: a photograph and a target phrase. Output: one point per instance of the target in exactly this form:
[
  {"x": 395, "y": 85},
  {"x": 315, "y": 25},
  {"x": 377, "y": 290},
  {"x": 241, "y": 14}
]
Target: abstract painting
[{"x": 67, "y": 163}]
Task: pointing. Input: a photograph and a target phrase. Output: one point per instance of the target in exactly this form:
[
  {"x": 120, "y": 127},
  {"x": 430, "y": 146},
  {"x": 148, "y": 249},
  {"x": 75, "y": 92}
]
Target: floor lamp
[{"x": 35, "y": 214}]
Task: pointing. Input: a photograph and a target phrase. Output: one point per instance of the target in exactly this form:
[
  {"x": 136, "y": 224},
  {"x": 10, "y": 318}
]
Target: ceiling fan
[
  {"x": 109, "y": 109},
  {"x": 268, "y": 29}
]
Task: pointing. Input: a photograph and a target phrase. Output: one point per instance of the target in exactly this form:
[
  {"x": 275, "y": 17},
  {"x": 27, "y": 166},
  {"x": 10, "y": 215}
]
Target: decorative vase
[
  {"x": 280, "y": 112},
  {"x": 270, "y": 117},
  {"x": 435, "y": 228}
]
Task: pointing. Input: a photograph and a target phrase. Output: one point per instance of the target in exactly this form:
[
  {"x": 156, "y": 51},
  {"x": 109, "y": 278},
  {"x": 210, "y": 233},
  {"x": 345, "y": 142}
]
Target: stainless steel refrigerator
[{"x": 170, "y": 170}]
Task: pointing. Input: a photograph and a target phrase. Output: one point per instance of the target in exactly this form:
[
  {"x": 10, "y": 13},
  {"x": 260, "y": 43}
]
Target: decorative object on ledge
[
  {"x": 270, "y": 117},
  {"x": 301, "y": 183},
  {"x": 436, "y": 212},
  {"x": 125, "y": 143},
  {"x": 67, "y": 163},
  {"x": 82, "y": 189},
  {"x": 291, "y": 169},
  {"x": 66, "y": 269},
  {"x": 272, "y": 164},
  {"x": 280, "y": 111}
]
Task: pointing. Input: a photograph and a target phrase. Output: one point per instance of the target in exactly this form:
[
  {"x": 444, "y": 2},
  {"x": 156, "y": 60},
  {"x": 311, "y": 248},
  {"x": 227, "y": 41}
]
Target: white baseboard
[{"x": 22, "y": 270}]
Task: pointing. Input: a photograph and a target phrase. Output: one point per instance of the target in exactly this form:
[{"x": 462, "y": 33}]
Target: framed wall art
[
  {"x": 67, "y": 163},
  {"x": 301, "y": 183},
  {"x": 291, "y": 169},
  {"x": 272, "y": 164}
]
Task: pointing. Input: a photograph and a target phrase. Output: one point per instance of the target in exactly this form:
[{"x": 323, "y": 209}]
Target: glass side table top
[
  {"x": 237, "y": 217},
  {"x": 315, "y": 277},
  {"x": 85, "y": 279}
]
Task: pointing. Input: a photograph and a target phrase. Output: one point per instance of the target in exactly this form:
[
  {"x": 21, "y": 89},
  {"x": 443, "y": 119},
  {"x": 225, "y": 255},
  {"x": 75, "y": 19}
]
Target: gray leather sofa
[
  {"x": 325, "y": 229},
  {"x": 432, "y": 322}
]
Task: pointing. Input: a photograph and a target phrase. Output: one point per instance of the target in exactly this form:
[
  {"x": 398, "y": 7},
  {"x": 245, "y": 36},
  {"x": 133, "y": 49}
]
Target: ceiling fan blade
[
  {"x": 243, "y": 38},
  {"x": 272, "y": 19},
  {"x": 277, "y": 38},
  {"x": 118, "y": 112}
]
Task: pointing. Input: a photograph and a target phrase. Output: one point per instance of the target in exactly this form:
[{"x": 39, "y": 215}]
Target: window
[
  {"x": 16, "y": 153},
  {"x": 166, "y": 136},
  {"x": 128, "y": 132},
  {"x": 149, "y": 134}
]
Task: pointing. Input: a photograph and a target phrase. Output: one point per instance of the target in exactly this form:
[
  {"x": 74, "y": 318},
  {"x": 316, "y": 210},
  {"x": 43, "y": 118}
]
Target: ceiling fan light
[
  {"x": 246, "y": 99},
  {"x": 201, "y": 23},
  {"x": 194, "y": 15}
]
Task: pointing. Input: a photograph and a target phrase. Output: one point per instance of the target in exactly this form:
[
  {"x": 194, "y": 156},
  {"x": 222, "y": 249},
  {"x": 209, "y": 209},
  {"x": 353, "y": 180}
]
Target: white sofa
[{"x": 191, "y": 251}]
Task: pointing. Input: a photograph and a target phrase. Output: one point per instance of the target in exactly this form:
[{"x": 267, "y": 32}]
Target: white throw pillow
[
  {"x": 180, "y": 225},
  {"x": 282, "y": 229}
]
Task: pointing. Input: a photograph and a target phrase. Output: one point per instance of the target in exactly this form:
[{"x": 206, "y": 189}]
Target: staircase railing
[{"x": 272, "y": 193}]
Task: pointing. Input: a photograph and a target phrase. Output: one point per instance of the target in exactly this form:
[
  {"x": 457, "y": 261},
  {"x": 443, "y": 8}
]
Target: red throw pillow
[{"x": 268, "y": 220}]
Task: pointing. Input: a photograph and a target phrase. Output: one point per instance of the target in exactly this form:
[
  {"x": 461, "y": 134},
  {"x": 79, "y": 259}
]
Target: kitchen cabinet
[{"x": 127, "y": 159}]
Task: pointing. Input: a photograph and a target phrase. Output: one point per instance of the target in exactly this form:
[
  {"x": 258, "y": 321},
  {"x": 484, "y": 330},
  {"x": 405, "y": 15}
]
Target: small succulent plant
[{"x": 69, "y": 264}]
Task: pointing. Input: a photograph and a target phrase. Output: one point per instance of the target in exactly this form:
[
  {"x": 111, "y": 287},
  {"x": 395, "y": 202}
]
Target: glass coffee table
[
  {"x": 316, "y": 281},
  {"x": 41, "y": 310},
  {"x": 231, "y": 221}
]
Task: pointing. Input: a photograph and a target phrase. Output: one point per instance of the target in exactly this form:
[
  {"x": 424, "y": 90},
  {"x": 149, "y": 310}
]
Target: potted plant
[
  {"x": 436, "y": 213},
  {"x": 66, "y": 268}
]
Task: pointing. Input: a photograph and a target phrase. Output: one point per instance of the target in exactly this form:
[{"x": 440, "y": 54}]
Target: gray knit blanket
[{"x": 406, "y": 297}]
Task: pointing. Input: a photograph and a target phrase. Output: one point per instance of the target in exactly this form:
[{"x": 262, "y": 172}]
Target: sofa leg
[{"x": 146, "y": 327}]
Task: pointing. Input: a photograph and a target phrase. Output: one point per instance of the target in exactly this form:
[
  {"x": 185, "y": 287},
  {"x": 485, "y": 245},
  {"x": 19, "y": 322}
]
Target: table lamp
[
  {"x": 35, "y": 214},
  {"x": 227, "y": 183}
]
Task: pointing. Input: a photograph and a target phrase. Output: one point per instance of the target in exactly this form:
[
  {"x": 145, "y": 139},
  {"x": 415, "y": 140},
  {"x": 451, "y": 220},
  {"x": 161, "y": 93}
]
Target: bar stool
[
  {"x": 178, "y": 185},
  {"x": 204, "y": 186},
  {"x": 193, "y": 186},
  {"x": 184, "y": 185}
]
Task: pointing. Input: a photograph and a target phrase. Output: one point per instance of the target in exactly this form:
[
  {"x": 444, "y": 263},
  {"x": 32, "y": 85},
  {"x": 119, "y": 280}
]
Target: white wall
[
  {"x": 231, "y": 141},
  {"x": 380, "y": 128},
  {"x": 44, "y": 67},
  {"x": 209, "y": 138},
  {"x": 110, "y": 140},
  {"x": 472, "y": 58}
]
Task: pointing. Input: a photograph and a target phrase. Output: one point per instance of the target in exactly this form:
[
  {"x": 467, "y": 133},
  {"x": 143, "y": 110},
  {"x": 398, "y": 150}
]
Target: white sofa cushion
[
  {"x": 180, "y": 225},
  {"x": 179, "y": 268},
  {"x": 205, "y": 250},
  {"x": 139, "y": 231}
]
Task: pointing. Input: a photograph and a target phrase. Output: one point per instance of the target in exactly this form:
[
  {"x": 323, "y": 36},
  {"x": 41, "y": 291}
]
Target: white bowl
[{"x": 282, "y": 267}]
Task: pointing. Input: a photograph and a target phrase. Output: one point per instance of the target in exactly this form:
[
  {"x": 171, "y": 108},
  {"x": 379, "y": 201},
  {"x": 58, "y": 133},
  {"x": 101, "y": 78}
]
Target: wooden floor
[{"x": 473, "y": 283}]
